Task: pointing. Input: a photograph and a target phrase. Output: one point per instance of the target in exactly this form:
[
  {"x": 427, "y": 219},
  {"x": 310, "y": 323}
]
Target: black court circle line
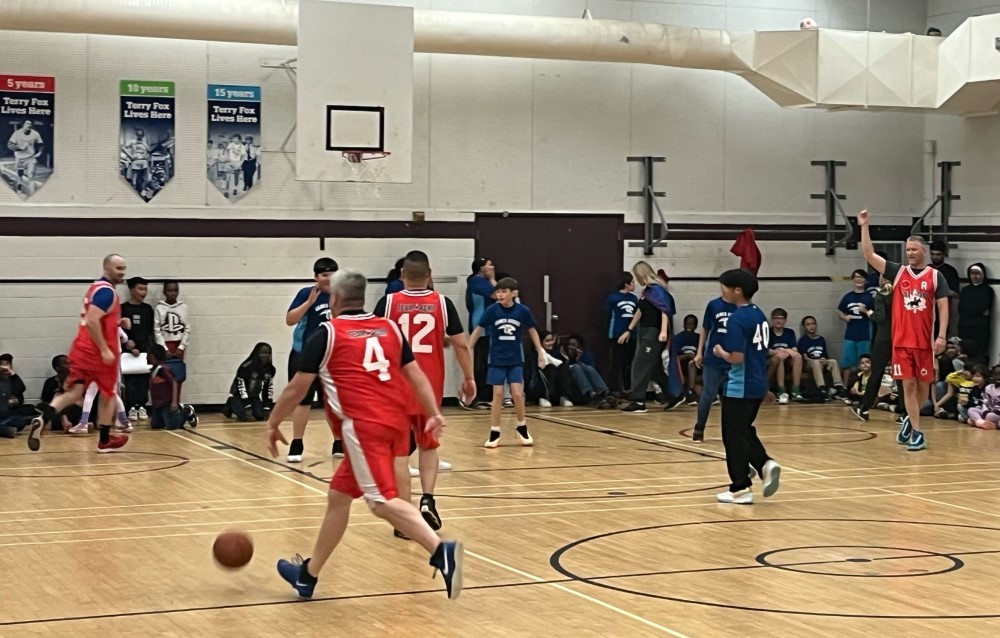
[
  {"x": 178, "y": 462},
  {"x": 555, "y": 561},
  {"x": 686, "y": 433},
  {"x": 956, "y": 563}
]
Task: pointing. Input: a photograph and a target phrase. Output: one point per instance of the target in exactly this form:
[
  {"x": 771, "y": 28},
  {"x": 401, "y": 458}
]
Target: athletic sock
[
  {"x": 522, "y": 429},
  {"x": 494, "y": 434},
  {"x": 296, "y": 448},
  {"x": 105, "y": 433}
]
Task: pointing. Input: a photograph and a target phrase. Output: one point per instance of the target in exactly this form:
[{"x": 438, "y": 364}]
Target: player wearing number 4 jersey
[
  {"x": 427, "y": 319},
  {"x": 366, "y": 368},
  {"x": 917, "y": 290}
]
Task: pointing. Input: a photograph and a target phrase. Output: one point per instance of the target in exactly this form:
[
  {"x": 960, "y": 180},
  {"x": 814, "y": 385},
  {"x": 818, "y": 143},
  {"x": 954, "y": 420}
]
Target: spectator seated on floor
[
  {"x": 860, "y": 379},
  {"x": 164, "y": 394},
  {"x": 13, "y": 416},
  {"x": 251, "y": 395},
  {"x": 587, "y": 384},
  {"x": 53, "y": 387},
  {"x": 972, "y": 397},
  {"x": 551, "y": 384},
  {"x": 958, "y": 383}
]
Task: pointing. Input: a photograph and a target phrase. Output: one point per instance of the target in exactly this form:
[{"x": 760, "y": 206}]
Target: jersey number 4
[
  {"x": 426, "y": 323},
  {"x": 375, "y": 360}
]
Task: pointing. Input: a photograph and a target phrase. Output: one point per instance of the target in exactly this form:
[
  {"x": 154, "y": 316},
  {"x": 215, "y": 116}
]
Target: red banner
[{"x": 28, "y": 83}]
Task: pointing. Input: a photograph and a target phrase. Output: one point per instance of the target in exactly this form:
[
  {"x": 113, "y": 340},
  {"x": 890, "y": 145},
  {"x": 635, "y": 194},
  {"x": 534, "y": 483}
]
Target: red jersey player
[
  {"x": 364, "y": 364},
  {"x": 427, "y": 318},
  {"x": 917, "y": 290},
  {"x": 93, "y": 358}
]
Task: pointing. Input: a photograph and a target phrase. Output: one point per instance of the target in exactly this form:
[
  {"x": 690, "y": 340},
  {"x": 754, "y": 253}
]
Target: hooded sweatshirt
[
  {"x": 170, "y": 323},
  {"x": 255, "y": 379},
  {"x": 975, "y": 301}
]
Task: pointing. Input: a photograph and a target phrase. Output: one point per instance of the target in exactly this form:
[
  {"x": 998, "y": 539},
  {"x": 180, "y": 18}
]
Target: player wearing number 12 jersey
[
  {"x": 366, "y": 368},
  {"x": 744, "y": 347},
  {"x": 427, "y": 319}
]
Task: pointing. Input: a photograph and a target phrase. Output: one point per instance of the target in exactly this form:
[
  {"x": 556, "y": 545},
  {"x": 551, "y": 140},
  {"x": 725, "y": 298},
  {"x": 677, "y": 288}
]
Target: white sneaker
[
  {"x": 492, "y": 444},
  {"x": 142, "y": 415},
  {"x": 294, "y": 458},
  {"x": 772, "y": 472},
  {"x": 414, "y": 472},
  {"x": 79, "y": 428},
  {"x": 783, "y": 398},
  {"x": 508, "y": 403},
  {"x": 133, "y": 415},
  {"x": 443, "y": 466},
  {"x": 124, "y": 427},
  {"x": 566, "y": 403},
  {"x": 526, "y": 441},
  {"x": 544, "y": 403},
  {"x": 743, "y": 497}
]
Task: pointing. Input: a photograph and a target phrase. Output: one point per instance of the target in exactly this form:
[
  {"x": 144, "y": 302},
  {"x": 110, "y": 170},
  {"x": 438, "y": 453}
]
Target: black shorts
[{"x": 293, "y": 366}]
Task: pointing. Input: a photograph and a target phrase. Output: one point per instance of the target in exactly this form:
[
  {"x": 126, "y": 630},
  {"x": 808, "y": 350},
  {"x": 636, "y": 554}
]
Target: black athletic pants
[
  {"x": 739, "y": 436},
  {"x": 480, "y": 365},
  {"x": 620, "y": 379},
  {"x": 881, "y": 357}
]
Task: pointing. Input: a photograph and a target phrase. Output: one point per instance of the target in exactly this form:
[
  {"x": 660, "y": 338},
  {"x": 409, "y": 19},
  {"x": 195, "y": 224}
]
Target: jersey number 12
[{"x": 427, "y": 323}]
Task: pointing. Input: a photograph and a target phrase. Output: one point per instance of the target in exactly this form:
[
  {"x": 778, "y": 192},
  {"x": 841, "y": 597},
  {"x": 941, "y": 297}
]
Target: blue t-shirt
[
  {"x": 871, "y": 284},
  {"x": 785, "y": 340},
  {"x": 813, "y": 347},
  {"x": 478, "y": 297},
  {"x": 313, "y": 319},
  {"x": 619, "y": 307},
  {"x": 714, "y": 322},
  {"x": 396, "y": 285},
  {"x": 857, "y": 329},
  {"x": 747, "y": 332},
  {"x": 506, "y": 328},
  {"x": 684, "y": 343}
]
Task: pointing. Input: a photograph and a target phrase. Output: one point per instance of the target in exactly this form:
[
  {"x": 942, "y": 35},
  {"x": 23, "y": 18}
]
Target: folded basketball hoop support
[
  {"x": 829, "y": 195},
  {"x": 944, "y": 199}
]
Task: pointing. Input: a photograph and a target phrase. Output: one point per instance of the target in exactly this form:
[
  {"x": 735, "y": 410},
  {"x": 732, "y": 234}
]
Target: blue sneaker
[
  {"x": 917, "y": 442},
  {"x": 296, "y": 574},
  {"x": 905, "y": 430},
  {"x": 447, "y": 559}
]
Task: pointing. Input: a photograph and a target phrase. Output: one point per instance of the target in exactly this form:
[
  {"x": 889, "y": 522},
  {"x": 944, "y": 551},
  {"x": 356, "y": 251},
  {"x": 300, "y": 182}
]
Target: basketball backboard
[{"x": 354, "y": 91}]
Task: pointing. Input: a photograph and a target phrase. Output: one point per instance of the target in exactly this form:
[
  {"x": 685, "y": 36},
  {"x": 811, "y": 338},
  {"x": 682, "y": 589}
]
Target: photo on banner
[
  {"x": 146, "y": 135},
  {"x": 233, "y": 155},
  {"x": 27, "y": 126}
]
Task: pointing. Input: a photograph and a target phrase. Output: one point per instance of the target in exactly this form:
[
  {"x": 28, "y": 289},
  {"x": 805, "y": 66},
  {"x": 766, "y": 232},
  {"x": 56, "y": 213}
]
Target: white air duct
[{"x": 807, "y": 68}]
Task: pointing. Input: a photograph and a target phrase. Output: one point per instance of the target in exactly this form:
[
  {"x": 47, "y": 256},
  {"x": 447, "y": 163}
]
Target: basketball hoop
[{"x": 367, "y": 174}]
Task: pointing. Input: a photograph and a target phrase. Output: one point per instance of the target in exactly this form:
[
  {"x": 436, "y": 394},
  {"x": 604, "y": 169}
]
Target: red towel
[{"x": 746, "y": 249}]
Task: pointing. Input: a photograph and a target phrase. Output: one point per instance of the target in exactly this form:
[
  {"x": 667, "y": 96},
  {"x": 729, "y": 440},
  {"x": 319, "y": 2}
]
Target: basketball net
[{"x": 368, "y": 171}]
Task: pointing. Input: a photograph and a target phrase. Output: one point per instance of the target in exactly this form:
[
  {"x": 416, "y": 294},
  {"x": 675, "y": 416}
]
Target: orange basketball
[{"x": 232, "y": 549}]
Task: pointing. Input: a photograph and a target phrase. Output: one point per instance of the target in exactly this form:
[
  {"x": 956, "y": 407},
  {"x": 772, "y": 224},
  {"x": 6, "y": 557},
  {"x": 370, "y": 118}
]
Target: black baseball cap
[{"x": 325, "y": 264}]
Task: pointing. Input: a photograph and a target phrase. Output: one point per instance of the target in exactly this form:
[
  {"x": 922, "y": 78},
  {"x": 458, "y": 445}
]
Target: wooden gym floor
[{"x": 607, "y": 527}]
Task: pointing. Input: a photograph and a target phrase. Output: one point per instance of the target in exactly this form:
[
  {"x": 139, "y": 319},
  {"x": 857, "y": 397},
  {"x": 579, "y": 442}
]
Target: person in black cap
[
  {"x": 308, "y": 311},
  {"x": 140, "y": 338},
  {"x": 480, "y": 292}
]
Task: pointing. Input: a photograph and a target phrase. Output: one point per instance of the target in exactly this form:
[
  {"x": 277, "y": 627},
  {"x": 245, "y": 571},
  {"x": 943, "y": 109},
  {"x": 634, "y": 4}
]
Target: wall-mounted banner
[
  {"x": 233, "y": 155},
  {"x": 146, "y": 160},
  {"x": 27, "y": 129}
]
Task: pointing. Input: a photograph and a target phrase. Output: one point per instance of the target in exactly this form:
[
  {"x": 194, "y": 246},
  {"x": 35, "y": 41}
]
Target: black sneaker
[
  {"x": 190, "y": 415},
  {"x": 698, "y": 436},
  {"x": 860, "y": 412},
  {"x": 338, "y": 449},
  {"x": 674, "y": 403},
  {"x": 429, "y": 511},
  {"x": 691, "y": 398},
  {"x": 638, "y": 408},
  {"x": 447, "y": 559}
]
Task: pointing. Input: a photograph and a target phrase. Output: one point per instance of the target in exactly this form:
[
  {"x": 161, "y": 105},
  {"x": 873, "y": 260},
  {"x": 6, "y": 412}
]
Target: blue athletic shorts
[
  {"x": 498, "y": 375},
  {"x": 852, "y": 353}
]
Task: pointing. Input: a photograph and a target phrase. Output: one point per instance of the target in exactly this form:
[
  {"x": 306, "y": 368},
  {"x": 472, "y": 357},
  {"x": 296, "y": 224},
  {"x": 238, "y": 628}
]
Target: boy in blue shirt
[
  {"x": 619, "y": 308},
  {"x": 744, "y": 348},
  {"x": 480, "y": 293},
  {"x": 684, "y": 347},
  {"x": 784, "y": 354},
  {"x": 853, "y": 309},
  {"x": 713, "y": 369},
  {"x": 308, "y": 311},
  {"x": 506, "y": 322}
]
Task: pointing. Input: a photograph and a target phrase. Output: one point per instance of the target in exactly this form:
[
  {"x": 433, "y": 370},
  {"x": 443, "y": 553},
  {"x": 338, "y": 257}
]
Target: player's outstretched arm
[
  {"x": 474, "y": 337},
  {"x": 290, "y": 397},
  {"x": 535, "y": 341},
  {"x": 425, "y": 395},
  {"x": 867, "y": 248}
]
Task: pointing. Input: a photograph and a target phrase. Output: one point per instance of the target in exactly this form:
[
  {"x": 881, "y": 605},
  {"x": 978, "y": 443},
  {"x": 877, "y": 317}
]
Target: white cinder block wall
[{"x": 489, "y": 134}]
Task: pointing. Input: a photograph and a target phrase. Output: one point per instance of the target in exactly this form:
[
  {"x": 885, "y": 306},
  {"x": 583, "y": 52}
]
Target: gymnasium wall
[{"x": 491, "y": 134}]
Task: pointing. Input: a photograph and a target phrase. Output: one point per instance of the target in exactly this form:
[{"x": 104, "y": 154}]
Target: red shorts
[
  {"x": 424, "y": 441},
  {"x": 368, "y": 468},
  {"x": 913, "y": 363},
  {"x": 105, "y": 376}
]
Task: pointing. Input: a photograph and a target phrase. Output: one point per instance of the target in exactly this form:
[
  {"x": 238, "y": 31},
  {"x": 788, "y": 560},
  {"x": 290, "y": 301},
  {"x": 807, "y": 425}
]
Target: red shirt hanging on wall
[{"x": 746, "y": 249}]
